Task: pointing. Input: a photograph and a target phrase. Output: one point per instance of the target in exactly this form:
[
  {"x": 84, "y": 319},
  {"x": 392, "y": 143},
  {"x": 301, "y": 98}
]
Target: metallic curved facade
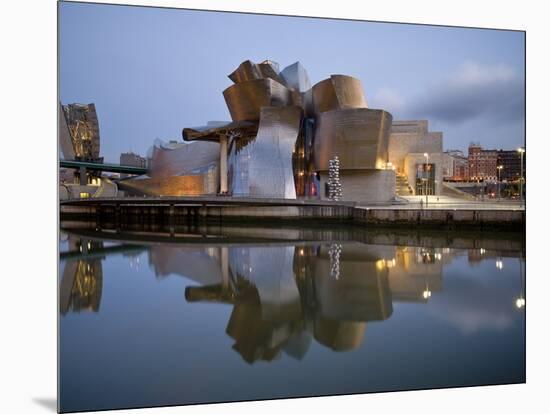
[
  {"x": 182, "y": 158},
  {"x": 205, "y": 182},
  {"x": 359, "y": 137},
  {"x": 183, "y": 169},
  {"x": 336, "y": 92},
  {"x": 251, "y": 71},
  {"x": 245, "y": 99},
  {"x": 296, "y": 77},
  {"x": 282, "y": 134},
  {"x": 263, "y": 167}
]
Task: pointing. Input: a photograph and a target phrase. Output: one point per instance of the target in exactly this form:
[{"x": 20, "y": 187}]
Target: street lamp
[
  {"x": 499, "y": 169},
  {"x": 427, "y": 175},
  {"x": 521, "y": 152}
]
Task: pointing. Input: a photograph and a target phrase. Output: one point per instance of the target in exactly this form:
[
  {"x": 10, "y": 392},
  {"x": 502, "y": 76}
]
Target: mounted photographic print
[{"x": 257, "y": 206}]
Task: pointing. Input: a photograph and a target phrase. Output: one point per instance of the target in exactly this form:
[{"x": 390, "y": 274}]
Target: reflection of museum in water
[{"x": 282, "y": 296}]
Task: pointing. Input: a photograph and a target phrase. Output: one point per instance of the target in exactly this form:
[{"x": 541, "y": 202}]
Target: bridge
[
  {"x": 94, "y": 166},
  {"x": 99, "y": 252}
]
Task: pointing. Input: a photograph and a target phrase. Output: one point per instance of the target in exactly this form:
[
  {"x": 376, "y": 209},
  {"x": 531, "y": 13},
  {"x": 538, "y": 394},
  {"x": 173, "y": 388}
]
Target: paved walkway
[{"x": 447, "y": 203}]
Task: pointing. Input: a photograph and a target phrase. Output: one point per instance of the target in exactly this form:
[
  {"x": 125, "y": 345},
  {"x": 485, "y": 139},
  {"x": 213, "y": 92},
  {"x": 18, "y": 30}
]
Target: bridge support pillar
[
  {"x": 223, "y": 164},
  {"x": 83, "y": 176}
]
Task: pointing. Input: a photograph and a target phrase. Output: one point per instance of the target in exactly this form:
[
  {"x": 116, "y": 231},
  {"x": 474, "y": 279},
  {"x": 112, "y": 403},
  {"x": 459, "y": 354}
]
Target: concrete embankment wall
[
  {"x": 225, "y": 213},
  {"x": 441, "y": 218},
  {"x": 327, "y": 214}
]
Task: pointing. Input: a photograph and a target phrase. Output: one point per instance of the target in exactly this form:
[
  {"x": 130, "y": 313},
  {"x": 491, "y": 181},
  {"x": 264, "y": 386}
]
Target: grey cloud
[{"x": 489, "y": 92}]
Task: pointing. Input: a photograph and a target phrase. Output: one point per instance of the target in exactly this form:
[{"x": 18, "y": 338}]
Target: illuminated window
[{"x": 84, "y": 195}]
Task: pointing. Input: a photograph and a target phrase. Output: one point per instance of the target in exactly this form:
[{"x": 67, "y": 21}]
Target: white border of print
[{"x": 29, "y": 205}]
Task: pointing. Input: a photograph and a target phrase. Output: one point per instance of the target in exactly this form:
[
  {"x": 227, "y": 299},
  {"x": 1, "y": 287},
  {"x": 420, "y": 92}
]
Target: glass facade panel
[{"x": 425, "y": 179}]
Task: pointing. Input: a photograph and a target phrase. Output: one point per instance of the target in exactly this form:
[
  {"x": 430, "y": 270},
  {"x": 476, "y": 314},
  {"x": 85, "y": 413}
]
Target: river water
[{"x": 148, "y": 319}]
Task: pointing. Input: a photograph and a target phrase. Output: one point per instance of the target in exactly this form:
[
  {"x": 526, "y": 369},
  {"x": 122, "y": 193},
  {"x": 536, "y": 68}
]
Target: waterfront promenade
[{"x": 447, "y": 203}]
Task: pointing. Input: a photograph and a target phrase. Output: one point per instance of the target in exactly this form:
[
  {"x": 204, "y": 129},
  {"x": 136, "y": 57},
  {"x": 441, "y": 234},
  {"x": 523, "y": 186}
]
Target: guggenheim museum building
[{"x": 281, "y": 138}]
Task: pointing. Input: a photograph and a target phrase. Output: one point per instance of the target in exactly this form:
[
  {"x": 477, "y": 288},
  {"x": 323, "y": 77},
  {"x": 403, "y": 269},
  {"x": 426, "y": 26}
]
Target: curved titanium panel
[
  {"x": 296, "y": 77},
  {"x": 263, "y": 168},
  {"x": 249, "y": 70},
  {"x": 337, "y": 92},
  {"x": 183, "y": 159},
  {"x": 177, "y": 185},
  {"x": 359, "y": 137},
  {"x": 349, "y": 92},
  {"x": 245, "y": 99}
]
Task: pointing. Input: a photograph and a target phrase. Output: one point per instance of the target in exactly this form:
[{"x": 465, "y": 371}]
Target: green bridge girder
[{"x": 125, "y": 169}]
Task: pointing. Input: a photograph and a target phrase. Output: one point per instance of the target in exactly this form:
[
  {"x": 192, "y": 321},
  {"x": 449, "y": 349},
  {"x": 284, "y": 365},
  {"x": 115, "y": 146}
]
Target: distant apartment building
[
  {"x": 455, "y": 166},
  {"x": 482, "y": 164},
  {"x": 447, "y": 166},
  {"x": 132, "y": 160},
  {"x": 510, "y": 160}
]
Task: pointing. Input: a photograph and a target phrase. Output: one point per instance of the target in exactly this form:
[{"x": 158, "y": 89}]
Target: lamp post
[
  {"x": 499, "y": 169},
  {"x": 521, "y": 152},
  {"x": 427, "y": 176}
]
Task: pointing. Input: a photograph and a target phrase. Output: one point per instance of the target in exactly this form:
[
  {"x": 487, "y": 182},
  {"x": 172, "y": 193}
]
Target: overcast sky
[{"x": 153, "y": 71}]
